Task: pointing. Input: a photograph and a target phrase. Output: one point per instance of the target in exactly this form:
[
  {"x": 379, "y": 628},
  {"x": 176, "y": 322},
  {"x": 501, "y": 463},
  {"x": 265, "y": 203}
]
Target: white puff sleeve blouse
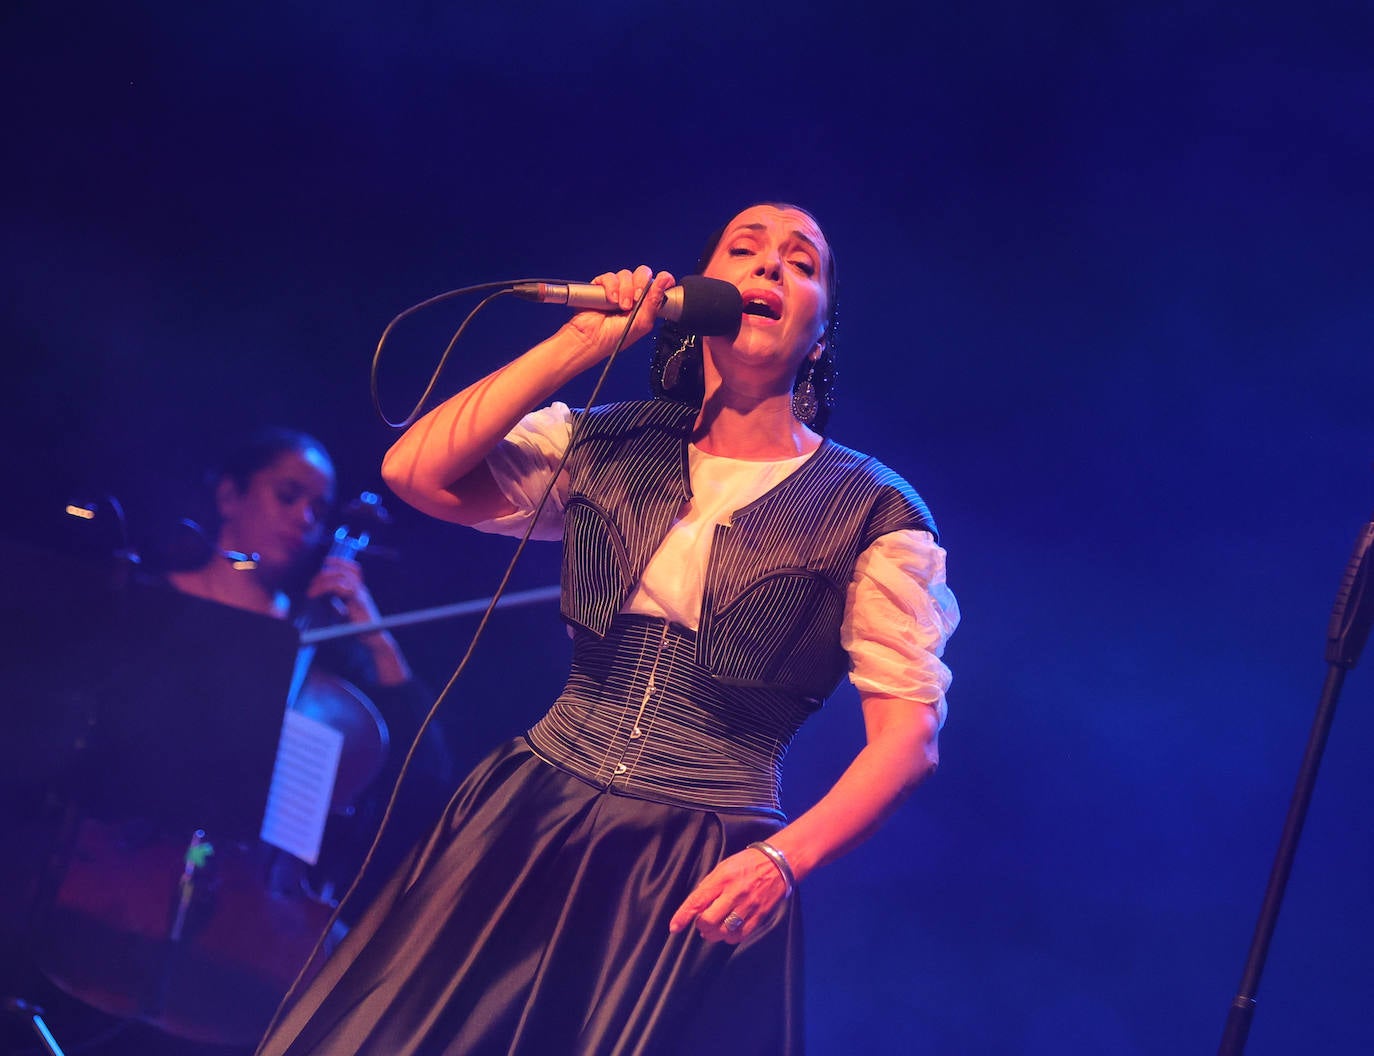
[{"x": 899, "y": 610}]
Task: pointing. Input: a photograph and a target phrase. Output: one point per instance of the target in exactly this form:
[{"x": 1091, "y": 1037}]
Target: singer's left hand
[{"x": 746, "y": 885}]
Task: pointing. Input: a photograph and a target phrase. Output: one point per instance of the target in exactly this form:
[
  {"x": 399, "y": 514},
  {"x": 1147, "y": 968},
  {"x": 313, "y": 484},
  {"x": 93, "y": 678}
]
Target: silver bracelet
[{"x": 780, "y": 860}]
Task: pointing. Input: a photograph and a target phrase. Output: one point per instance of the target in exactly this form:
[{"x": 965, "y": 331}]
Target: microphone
[{"x": 701, "y": 305}]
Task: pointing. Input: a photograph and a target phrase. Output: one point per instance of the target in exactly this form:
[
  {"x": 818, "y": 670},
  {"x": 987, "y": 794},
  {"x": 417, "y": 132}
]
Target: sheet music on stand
[{"x": 302, "y": 785}]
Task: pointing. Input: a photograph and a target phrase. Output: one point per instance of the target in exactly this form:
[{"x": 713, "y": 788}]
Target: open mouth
[{"x": 762, "y": 308}]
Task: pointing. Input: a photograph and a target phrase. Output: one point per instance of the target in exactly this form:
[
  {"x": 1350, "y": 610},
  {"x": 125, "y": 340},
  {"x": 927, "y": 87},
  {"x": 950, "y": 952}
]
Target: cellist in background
[{"x": 272, "y": 497}]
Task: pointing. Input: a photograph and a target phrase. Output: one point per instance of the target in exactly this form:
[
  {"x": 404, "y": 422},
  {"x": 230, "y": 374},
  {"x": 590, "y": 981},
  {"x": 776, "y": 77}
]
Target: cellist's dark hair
[
  {"x": 675, "y": 369},
  {"x": 257, "y": 450}
]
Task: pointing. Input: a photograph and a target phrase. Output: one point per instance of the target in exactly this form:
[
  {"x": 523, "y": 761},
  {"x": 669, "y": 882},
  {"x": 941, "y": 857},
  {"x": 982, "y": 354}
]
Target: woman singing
[{"x": 621, "y": 879}]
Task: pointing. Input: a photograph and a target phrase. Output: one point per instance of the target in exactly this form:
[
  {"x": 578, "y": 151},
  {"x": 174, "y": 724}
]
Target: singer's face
[
  {"x": 779, "y": 259},
  {"x": 280, "y": 514}
]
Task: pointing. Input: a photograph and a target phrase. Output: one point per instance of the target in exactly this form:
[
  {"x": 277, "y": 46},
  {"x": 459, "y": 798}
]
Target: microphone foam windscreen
[{"x": 712, "y": 307}]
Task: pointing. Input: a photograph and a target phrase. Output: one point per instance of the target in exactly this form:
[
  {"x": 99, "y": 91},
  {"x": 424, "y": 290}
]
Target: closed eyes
[{"x": 802, "y": 264}]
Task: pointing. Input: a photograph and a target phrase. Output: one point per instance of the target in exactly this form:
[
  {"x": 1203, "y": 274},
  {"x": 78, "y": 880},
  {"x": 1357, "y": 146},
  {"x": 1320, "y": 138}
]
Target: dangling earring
[
  {"x": 672, "y": 367},
  {"x": 804, "y": 402},
  {"x": 668, "y": 372}
]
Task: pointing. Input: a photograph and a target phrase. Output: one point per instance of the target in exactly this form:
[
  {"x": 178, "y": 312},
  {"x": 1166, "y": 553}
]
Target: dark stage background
[{"x": 1106, "y": 300}]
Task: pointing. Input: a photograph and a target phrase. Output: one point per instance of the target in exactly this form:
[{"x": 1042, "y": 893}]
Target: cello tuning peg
[
  {"x": 368, "y": 506},
  {"x": 98, "y": 514}
]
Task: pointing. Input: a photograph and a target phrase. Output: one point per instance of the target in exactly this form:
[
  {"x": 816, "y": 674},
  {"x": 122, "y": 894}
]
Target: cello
[
  {"x": 199, "y": 932},
  {"x": 331, "y": 699}
]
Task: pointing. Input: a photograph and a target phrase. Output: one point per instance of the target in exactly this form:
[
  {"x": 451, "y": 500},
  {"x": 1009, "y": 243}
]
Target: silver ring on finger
[{"x": 732, "y": 923}]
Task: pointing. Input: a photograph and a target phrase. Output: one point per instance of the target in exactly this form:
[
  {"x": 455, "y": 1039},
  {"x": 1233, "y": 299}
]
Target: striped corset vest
[
  {"x": 775, "y": 586},
  {"x": 704, "y": 718},
  {"x": 641, "y": 717}
]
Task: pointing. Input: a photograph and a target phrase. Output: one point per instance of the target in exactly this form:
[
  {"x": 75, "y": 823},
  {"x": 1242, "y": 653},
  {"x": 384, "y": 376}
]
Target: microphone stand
[{"x": 1351, "y": 617}]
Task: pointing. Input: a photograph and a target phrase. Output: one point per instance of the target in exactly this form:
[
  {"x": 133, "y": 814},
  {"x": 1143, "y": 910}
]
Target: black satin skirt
[{"x": 534, "y": 922}]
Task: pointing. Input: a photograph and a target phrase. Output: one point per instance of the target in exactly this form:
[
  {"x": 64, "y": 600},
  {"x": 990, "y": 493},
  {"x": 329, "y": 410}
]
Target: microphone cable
[{"x": 501, "y": 289}]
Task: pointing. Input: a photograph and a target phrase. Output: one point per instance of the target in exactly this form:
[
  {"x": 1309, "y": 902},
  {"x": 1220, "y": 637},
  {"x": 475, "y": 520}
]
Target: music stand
[
  {"x": 188, "y": 723},
  {"x": 154, "y": 703},
  {"x": 128, "y": 700}
]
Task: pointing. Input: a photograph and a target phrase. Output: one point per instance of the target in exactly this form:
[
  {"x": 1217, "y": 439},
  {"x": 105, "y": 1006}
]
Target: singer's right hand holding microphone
[
  {"x": 602, "y": 330},
  {"x": 438, "y": 465}
]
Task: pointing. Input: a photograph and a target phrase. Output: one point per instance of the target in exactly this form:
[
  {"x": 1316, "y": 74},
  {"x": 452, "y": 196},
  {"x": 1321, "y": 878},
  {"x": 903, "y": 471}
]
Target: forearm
[
  {"x": 390, "y": 663},
  {"x": 437, "y": 464},
  {"x": 902, "y": 751}
]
